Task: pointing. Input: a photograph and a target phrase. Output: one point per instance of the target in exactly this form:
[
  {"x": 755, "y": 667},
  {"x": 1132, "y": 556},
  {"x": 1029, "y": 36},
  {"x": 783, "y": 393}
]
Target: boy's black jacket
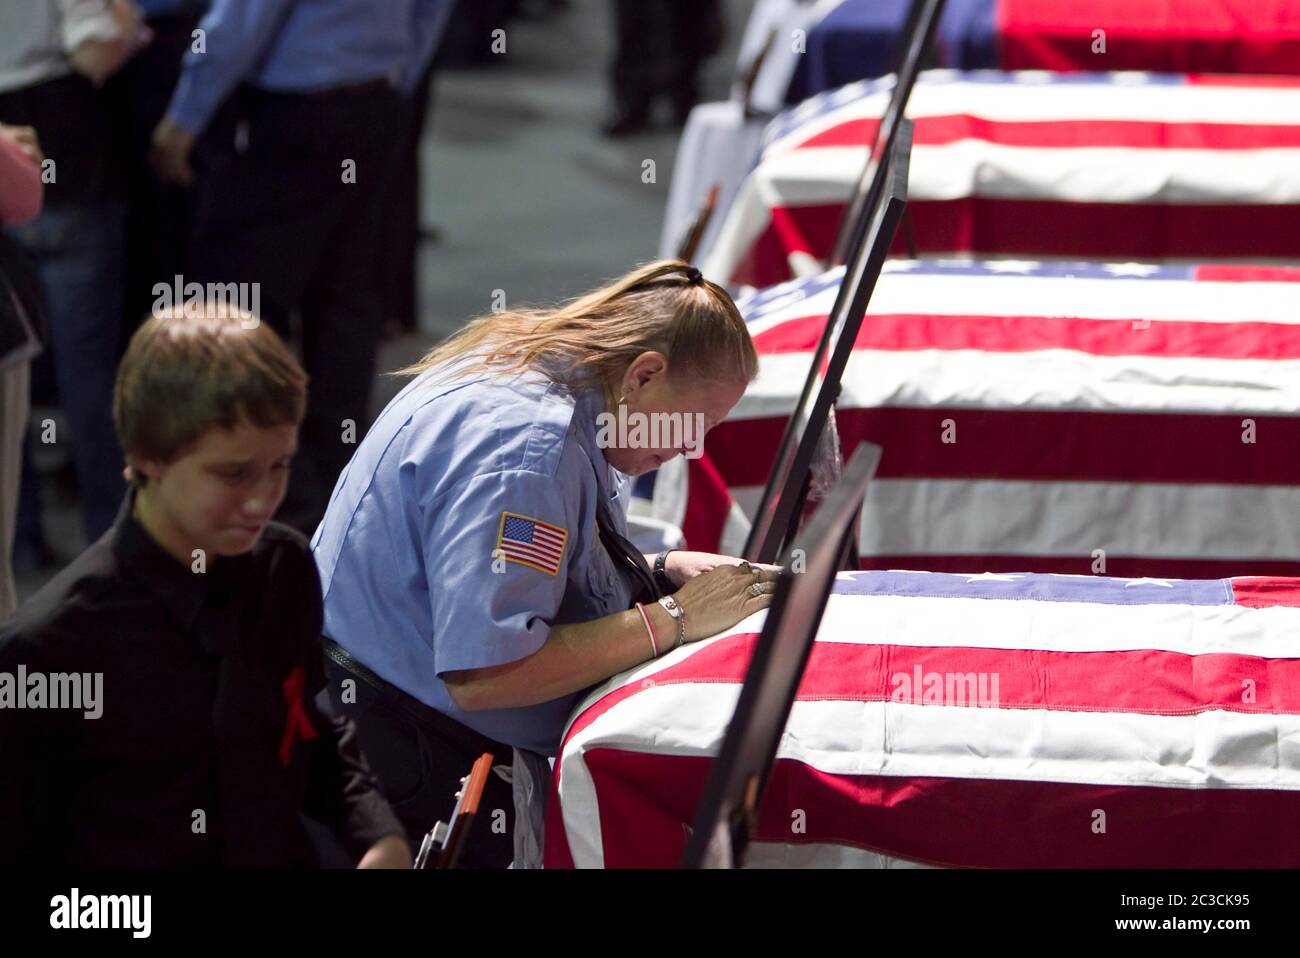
[{"x": 209, "y": 747}]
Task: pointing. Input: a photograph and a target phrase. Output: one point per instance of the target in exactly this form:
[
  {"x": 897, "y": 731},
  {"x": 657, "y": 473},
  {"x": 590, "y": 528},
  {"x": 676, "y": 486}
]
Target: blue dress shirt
[
  {"x": 305, "y": 45},
  {"x": 406, "y": 549}
]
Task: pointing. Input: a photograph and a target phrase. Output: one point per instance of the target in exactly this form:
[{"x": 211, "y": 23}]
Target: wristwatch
[
  {"x": 662, "y": 580},
  {"x": 674, "y": 608}
]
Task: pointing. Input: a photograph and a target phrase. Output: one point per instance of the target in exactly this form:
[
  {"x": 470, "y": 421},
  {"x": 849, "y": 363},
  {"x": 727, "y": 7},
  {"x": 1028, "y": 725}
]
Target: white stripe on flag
[
  {"x": 1062, "y": 626},
  {"x": 1078, "y": 174},
  {"x": 1054, "y": 379},
  {"x": 1054, "y": 102},
  {"x": 514, "y": 548},
  {"x": 1183, "y": 300},
  {"x": 1214, "y": 749},
  {"x": 993, "y": 517}
]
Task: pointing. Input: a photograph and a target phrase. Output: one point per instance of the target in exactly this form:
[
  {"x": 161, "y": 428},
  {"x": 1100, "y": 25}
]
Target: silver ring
[{"x": 755, "y": 589}]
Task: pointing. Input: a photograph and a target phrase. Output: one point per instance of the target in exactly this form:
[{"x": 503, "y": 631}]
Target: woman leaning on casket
[{"x": 473, "y": 558}]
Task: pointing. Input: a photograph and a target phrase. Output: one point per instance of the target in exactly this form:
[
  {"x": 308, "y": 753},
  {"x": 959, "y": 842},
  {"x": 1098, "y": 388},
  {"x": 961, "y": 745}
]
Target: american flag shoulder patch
[{"x": 531, "y": 542}]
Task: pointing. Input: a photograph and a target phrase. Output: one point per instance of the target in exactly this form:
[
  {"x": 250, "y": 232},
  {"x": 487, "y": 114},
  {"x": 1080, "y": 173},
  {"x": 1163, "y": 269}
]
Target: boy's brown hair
[{"x": 189, "y": 369}]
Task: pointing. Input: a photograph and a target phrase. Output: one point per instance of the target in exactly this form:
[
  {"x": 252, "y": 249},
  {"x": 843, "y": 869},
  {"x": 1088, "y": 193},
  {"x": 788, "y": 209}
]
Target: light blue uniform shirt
[
  {"x": 405, "y": 550},
  {"x": 299, "y": 46}
]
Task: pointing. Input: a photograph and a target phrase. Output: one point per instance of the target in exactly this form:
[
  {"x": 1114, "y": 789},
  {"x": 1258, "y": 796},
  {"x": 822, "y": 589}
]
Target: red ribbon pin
[{"x": 296, "y": 722}]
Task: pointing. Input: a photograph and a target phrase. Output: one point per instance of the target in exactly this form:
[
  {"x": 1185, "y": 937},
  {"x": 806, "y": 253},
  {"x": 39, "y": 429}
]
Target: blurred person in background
[
  {"x": 400, "y": 238},
  {"x": 20, "y": 202},
  {"x": 323, "y": 95},
  {"x": 54, "y": 57},
  {"x": 158, "y": 214},
  {"x": 659, "y": 48}
]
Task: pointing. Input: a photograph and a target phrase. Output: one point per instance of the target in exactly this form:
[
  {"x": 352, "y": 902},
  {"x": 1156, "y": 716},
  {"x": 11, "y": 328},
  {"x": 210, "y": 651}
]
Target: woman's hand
[
  {"x": 389, "y": 852},
  {"x": 716, "y": 599},
  {"x": 683, "y": 566}
]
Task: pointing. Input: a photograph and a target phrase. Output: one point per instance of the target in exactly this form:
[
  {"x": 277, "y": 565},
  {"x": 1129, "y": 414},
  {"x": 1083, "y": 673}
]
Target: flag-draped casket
[
  {"x": 855, "y": 39},
  {"x": 1122, "y": 419},
  {"x": 996, "y": 720},
  {"x": 1213, "y": 36},
  {"x": 1090, "y": 165}
]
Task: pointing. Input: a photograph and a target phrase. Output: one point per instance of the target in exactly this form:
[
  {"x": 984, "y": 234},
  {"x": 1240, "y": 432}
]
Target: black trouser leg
[
  {"x": 636, "y": 68},
  {"x": 343, "y": 306},
  {"x": 299, "y": 213},
  {"x": 158, "y": 215},
  {"x": 399, "y": 240},
  {"x": 688, "y": 23}
]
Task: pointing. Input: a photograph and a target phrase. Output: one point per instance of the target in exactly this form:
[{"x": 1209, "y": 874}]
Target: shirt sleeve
[
  {"x": 341, "y": 791},
  {"x": 237, "y": 33},
  {"x": 430, "y": 23},
  {"x": 497, "y": 549}
]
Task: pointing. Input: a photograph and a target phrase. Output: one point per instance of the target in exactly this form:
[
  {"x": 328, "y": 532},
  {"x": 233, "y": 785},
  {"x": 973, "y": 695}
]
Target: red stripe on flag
[
  {"x": 1107, "y": 230},
  {"x": 1243, "y": 79},
  {"x": 647, "y": 801},
  {"x": 1267, "y": 591},
  {"x": 1173, "y": 683},
  {"x": 1017, "y": 444},
  {"x": 1099, "y": 337},
  {"x": 766, "y": 261},
  {"x": 1068, "y": 134},
  {"x": 1173, "y": 36},
  {"x": 707, "y": 505},
  {"x": 1224, "y": 273},
  {"x": 1034, "y": 228},
  {"x": 541, "y": 555}
]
